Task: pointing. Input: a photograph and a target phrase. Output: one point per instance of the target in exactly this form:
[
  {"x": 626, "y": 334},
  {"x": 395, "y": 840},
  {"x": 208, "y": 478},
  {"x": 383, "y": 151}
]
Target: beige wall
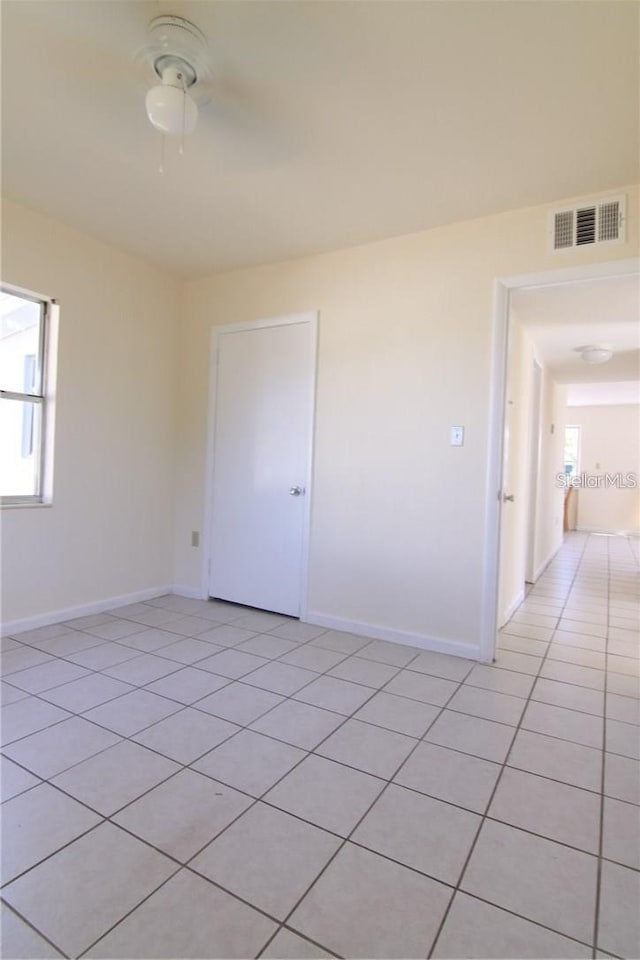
[
  {"x": 609, "y": 443},
  {"x": 398, "y": 530},
  {"x": 109, "y": 531}
]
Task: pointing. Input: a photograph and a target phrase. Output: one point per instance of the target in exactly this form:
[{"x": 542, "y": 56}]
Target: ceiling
[
  {"x": 603, "y": 394},
  {"x": 330, "y": 123},
  {"x": 563, "y": 318}
]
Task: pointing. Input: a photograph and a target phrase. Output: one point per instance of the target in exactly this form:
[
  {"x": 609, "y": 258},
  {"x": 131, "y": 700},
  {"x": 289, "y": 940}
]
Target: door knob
[
  {"x": 296, "y": 491},
  {"x": 508, "y": 496}
]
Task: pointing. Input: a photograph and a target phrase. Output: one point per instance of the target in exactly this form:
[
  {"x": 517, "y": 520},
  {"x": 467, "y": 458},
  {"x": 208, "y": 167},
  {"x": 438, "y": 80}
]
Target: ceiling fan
[
  {"x": 181, "y": 76},
  {"x": 176, "y": 51}
]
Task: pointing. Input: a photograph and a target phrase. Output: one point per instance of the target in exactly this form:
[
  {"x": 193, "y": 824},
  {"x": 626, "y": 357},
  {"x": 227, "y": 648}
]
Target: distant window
[
  {"x": 572, "y": 451},
  {"x": 26, "y": 424}
]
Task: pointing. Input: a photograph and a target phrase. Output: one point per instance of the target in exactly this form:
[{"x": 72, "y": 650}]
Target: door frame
[
  {"x": 311, "y": 317},
  {"x": 501, "y": 301},
  {"x": 533, "y": 466}
]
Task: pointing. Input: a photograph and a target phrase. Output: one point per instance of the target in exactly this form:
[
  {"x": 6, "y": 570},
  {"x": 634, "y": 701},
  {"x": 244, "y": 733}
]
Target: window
[
  {"x": 572, "y": 451},
  {"x": 26, "y": 384}
]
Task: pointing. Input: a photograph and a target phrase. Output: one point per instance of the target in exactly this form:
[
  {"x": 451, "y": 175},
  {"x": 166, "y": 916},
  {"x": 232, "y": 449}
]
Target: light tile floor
[{"x": 192, "y": 779}]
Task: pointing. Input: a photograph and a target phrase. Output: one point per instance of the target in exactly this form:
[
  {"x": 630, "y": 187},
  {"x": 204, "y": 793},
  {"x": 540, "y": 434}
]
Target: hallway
[{"x": 578, "y": 632}]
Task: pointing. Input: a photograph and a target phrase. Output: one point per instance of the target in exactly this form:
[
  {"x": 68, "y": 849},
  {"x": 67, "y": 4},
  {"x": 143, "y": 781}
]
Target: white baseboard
[
  {"x": 511, "y": 609},
  {"x": 192, "y": 593},
  {"x": 84, "y": 610},
  {"x": 609, "y": 531},
  {"x": 424, "y": 642},
  {"x": 545, "y": 563}
]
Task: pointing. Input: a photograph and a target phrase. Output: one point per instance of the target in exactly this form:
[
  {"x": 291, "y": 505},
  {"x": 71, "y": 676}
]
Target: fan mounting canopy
[{"x": 173, "y": 42}]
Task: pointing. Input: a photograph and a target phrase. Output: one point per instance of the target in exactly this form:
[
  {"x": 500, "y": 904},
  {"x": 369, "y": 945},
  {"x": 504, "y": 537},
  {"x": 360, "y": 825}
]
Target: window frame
[
  {"x": 577, "y": 427},
  {"x": 47, "y": 343}
]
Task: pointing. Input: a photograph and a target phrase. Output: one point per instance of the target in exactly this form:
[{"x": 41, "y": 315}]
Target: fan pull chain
[
  {"x": 184, "y": 112},
  {"x": 162, "y": 140}
]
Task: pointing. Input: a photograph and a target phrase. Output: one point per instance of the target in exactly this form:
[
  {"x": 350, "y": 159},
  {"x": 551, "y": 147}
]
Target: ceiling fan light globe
[{"x": 171, "y": 110}]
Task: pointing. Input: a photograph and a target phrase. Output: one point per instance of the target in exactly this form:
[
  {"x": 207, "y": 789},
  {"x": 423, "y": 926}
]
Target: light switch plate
[{"x": 457, "y": 436}]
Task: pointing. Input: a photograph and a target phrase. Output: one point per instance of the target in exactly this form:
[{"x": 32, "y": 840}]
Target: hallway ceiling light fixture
[
  {"x": 596, "y": 353},
  {"x": 176, "y": 51}
]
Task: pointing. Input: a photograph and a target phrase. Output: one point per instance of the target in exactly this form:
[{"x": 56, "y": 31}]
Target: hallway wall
[
  {"x": 609, "y": 444},
  {"x": 548, "y": 503}
]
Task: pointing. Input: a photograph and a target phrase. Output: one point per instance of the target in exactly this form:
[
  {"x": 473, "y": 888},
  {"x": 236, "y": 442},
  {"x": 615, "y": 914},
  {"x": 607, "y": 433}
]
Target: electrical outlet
[{"x": 195, "y": 538}]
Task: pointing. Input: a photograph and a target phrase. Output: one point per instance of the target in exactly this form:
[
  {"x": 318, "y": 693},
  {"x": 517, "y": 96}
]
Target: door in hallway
[
  {"x": 263, "y": 414},
  {"x": 512, "y": 517}
]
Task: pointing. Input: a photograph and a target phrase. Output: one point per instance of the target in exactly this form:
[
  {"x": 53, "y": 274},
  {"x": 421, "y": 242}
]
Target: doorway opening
[{"x": 521, "y": 498}]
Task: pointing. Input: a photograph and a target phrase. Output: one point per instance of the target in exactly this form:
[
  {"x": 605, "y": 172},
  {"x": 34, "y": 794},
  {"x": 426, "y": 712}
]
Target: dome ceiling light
[{"x": 596, "y": 353}]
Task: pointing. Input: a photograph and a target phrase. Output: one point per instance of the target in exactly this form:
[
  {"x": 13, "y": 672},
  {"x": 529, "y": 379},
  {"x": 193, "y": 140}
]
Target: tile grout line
[
  {"x": 179, "y": 664},
  {"x": 26, "y": 921},
  {"x": 435, "y": 879},
  {"x": 247, "y": 727},
  {"x": 601, "y": 857},
  {"x": 158, "y": 651},
  {"x": 292, "y": 696},
  {"x": 241, "y": 679},
  {"x": 185, "y": 767},
  {"x": 193, "y": 705},
  {"x": 241, "y": 727},
  {"x": 138, "y": 687},
  {"x": 347, "y": 838},
  {"x": 231, "y": 680},
  {"x": 495, "y": 788},
  {"x": 182, "y": 766},
  {"x": 193, "y": 664},
  {"x": 186, "y": 864},
  {"x": 252, "y": 905},
  {"x": 180, "y": 864},
  {"x": 596, "y": 918}
]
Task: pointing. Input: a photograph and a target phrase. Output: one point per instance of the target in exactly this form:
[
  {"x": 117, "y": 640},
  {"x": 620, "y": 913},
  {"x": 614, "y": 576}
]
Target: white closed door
[{"x": 263, "y": 417}]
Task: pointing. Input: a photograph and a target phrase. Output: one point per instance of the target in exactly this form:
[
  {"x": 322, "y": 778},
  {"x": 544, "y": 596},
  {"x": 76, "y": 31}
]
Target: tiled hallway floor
[{"x": 190, "y": 779}]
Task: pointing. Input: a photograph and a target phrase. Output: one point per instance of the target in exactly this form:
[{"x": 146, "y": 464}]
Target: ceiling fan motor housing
[{"x": 173, "y": 42}]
